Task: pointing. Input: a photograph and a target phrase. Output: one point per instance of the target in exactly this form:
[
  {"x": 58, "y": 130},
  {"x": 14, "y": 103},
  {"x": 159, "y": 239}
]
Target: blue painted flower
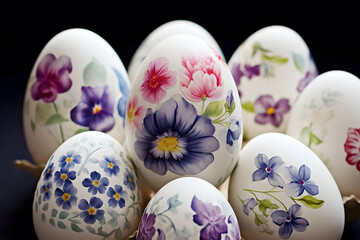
[
  {"x": 289, "y": 221},
  {"x": 64, "y": 177},
  {"x": 124, "y": 89},
  {"x": 66, "y": 197},
  {"x": 231, "y": 135},
  {"x": 175, "y": 138},
  {"x": 47, "y": 173},
  {"x": 117, "y": 195},
  {"x": 91, "y": 211},
  {"x": 110, "y": 165},
  {"x": 249, "y": 204},
  {"x": 69, "y": 160},
  {"x": 129, "y": 180},
  {"x": 300, "y": 181},
  {"x": 267, "y": 169},
  {"x": 45, "y": 189},
  {"x": 95, "y": 183}
]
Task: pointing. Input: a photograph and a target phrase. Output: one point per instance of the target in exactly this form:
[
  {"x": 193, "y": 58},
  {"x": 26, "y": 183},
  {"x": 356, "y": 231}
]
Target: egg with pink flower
[
  {"x": 183, "y": 115},
  {"x": 78, "y": 83}
]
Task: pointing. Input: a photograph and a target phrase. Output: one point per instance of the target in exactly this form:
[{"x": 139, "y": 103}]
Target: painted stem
[
  {"x": 267, "y": 193},
  {"x": 60, "y": 126}
]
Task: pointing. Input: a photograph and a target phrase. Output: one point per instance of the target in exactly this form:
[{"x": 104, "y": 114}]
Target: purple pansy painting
[{"x": 269, "y": 111}]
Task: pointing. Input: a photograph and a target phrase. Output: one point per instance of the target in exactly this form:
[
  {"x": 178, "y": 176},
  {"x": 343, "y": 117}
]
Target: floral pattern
[
  {"x": 135, "y": 113},
  {"x": 262, "y": 202},
  {"x": 352, "y": 147},
  {"x": 91, "y": 211},
  {"x": 95, "y": 183}
]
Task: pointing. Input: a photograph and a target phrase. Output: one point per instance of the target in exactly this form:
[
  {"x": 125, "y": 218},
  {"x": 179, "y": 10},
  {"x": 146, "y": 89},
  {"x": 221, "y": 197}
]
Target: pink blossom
[
  {"x": 157, "y": 79},
  {"x": 201, "y": 78},
  {"x": 352, "y": 147},
  {"x": 135, "y": 113}
]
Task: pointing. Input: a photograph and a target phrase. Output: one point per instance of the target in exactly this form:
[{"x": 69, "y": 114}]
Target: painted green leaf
[
  {"x": 256, "y": 47},
  {"x": 214, "y": 109},
  {"x": 43, "y": 218},
  {"x": 36, "y": 206},
  {"x": 52, "y": 222},
  {"x": 43, "y": 112},
  {"x": 56, "y": 119},
  {"x": 54, "y": 212},
  {"x": 94, "y": 73},
  {"x": 46, "y": 206},
  {"x": 248, "y": 106},
  {"x": 33, "y": 125},
  {"x": 76, "y": 228},
  {"x": 314, "y": 139},
  {"x": 102, "y": 221},
  {"x": 113, "y": 222},
  {"x": 275, "y": 59},
  {"x": 80, "y": 130},
  {"x": 118, "y": 233},
  {"x": 61, "y": 225},
  {"x": 265, "y": 204},
  {"x": 311, "y": 201},
  {"x": 91, "y": 229},
  {"x": 299, "y": 62},
  {"x": 63, "y": 215},
  {"x": 127, "y": 224}
]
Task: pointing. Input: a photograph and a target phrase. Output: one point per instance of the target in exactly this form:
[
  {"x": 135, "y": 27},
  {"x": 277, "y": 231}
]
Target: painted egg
[
  {"x": 88, "y": 190},
  {"x": 78, "y": 83},
  {"x": 280, "y": 189},
  {"x": 326, "y": 118},
  {"x": 166, "y": 30},
  {"x": 183, "y": 114},
  {"x": 270, "y": 69},
  {"x": 188, "y": 208}
]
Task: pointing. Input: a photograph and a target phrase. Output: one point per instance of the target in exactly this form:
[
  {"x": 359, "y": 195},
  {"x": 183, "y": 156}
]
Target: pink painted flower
[
  {"x": 157, "y": 79},
  {"x": 352, "y": 147},
  {"x": 135, "y": 113},
  {"x": 201, "y": 78}
]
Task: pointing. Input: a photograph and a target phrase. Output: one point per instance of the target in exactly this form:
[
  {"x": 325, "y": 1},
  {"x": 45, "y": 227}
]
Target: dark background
[{"x": 331, "y": 32}]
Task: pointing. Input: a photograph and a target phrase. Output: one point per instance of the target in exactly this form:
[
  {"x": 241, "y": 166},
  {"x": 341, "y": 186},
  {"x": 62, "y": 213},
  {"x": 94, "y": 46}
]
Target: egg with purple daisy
[{"x": 88, "y": 190}]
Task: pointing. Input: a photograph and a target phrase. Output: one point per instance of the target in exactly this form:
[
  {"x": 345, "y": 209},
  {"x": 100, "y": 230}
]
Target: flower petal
[
  {"x": 304, "y": 172},
  {"x": 275, "y": 163},
  {"x": 95, "y": 175},
  {"x": 285, "y": 230},
  {"x": 295, "y": 211},
  {"x": 263, "y": 102},
  {"x": 291, "y": 174},
  {"x": 279, "y": 217},
  {"x": 282, "y": 106},
  {"x": 261, "y": 161},
  {"x": 263, "y": 118},
  {"x": 299, "y": 224},
  {"x": 192, "y": 163},
  {"x": 83, "y": 205},
  {"x": 294, "y": 189},
  {"x": 43, "y": 66},
  {"x": 87, "y": 182},
  {"x": 81, "y": 114},
  {"x": 259, "y": 174},
  {"x": 96, "y": 202},
  {"x": 311, "y": 188},
  {"x": 275, "y": 180},
  {"x": 203, "y": 144},
  {"x": 156, "y": 165},
  {"x": 102, "y": 121}
]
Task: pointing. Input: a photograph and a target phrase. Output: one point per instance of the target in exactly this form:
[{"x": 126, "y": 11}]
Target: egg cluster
[{"x": 174, "y": 124}]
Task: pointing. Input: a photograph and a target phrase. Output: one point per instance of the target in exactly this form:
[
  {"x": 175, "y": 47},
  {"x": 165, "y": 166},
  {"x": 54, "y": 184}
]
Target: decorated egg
[
  {"x": 78, "y": 83},
  {"x": 166, "y": 30},
  {"x": 88, "y": 190},
  {"x": 188, "y": 208},
  {"x": 326, "y": 118},
  {"x": 183, "y": 114},
  {"x": 280, "y": 189},
  {"x": 270, "y": 69}
]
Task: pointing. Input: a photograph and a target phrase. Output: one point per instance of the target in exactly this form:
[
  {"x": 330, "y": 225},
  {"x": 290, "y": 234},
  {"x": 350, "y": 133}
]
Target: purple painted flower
[
  {"x": 66, "y": 197},
  {"x": 231, "y": 135},
  {"x": 146, "y": 228},
  {"x": 299, "y": 181},
  {"x": 52, "y": 78},
  {"x": 309, "y": 76},
  {"x": 117, "y": 196},
  {"x": 175, "y": 138},
  {"x": 248, "y": 71},
  {"x": 289, "y": 221},
  {"x": 267, "y": 110},
  {"x": 110, "y": 165},
  {"x": 69, "y": 160},
  {"x": 47, "y": 173},
  {"x": 91, "y": 211},
  {"x": 45, "y": 189},
  {"x": 267, "y": 169},
  {"x": 249, "y": 204},
  {"x": 129, "y": 180},
  {"x": 96, "y": 183},
  {"x": 237, "y": 74},
  {"x": 161, "y": 235},
  {"x": 95, "y": 109},
  {"x": 234, "y": 231},
  {"x": 64, "y": 176},
  {"x": 210, "y": 218}
]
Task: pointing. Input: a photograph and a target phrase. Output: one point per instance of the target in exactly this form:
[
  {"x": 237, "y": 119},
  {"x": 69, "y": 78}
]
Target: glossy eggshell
[
  {"x": 270, "y": 68},
  {"x": 78, "y": 83},
  {"x": 183, "y": 114},
  {"x": 280, "y": 189},
  {"x": 188, "y": 208},
  {"x": 94, "y": 195},
  {"x": 166, "y": 30},
  {"x": 326, "y": 118}
]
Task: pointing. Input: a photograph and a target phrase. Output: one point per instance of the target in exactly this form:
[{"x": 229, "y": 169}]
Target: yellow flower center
[
  {"x": 96, "y": 183},
  {"x": 96, "y": 109},
  {"x": 168, "y": 143},
  {"x": 131, "y": 114},
  {"x": 92, "y": 211},
  {"x": 48, "y": 171},
  {"x": 111, "y": 165},
  {"x": 117, "y": 196},
  {"x": 46, "y": 189},
  {"x": 129, "y": 179},
  {"x": 270, "y": 110},
  {"x": 63, "y": 176},
  {"x": 153, "y": 81},
  {"x": 68, "y": 159},
  {"x": 66, "y": 196}
]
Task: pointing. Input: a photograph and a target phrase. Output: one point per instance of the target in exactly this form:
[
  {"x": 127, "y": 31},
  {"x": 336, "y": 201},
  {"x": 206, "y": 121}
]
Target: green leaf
[
  {"x": 94, "y": 73},
  {"x": 80, "y": 130},
  {"x": 314, "y": 139},
  {"x": 55, "y": 119},
  {"x": 113, "y": 222},
  {"x": 118, "y": 233},
  {"x": 311, "y": 201},
  {"x": 275, "y": 59},
  {"x": 43, "y": 112},
  {"x": 54, "y": 212},
  {"x": 52, "y": 222},
  {"x": 64, "y": 214},
  {"x": 127, "y": 224},
  {"x": 214, "y": 109},
  {"x": 76, "y": 228},
  {"x": 102, "y": 221},
  {"x": 113, "y": 213},
  {"x": 61, "y": 225},
  {"x": 43, "y": 218},
  {"x": 46, "y": 206},
  {"x": 33, "y": 125},
  {"x": 268, "y": 204},
  {"x": 248, "y": 106},
  {"x": 91, "y": 229},
  {"x": 299, "y": 62},
  {"x": 256, "y": 47}
]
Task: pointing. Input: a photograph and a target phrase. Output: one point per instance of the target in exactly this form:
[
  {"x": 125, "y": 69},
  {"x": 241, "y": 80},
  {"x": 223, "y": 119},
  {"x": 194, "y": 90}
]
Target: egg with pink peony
[
  {"x": 183, "y": 115},
  {"x": 78, "y": 83}
]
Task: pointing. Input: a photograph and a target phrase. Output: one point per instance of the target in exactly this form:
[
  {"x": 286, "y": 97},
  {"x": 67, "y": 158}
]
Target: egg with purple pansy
[
  {"x": 183, "y": 116},
  {"x": 78, "y": 83},
  {"x": 280, "y": 189},
  {"x": 88, "y": 190}
]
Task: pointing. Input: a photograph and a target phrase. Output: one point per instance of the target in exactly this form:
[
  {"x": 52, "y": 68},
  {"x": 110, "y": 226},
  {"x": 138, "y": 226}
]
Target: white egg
[
  {"x": 183, "y": 114},
  {"x": 188, "y": 208},
  {"x": 280, "y": 189},
  {"x": 326, "y": 117},
  {"x": 270, "y": 69},
  {"x": 78, "y": 83},
  {"x": 88, "y": 190},
  {"x": 166, "y": 30}
]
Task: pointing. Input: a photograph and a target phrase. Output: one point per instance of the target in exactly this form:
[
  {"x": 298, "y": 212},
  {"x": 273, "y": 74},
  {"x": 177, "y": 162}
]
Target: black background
[{"x": 330, "y": 31}]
